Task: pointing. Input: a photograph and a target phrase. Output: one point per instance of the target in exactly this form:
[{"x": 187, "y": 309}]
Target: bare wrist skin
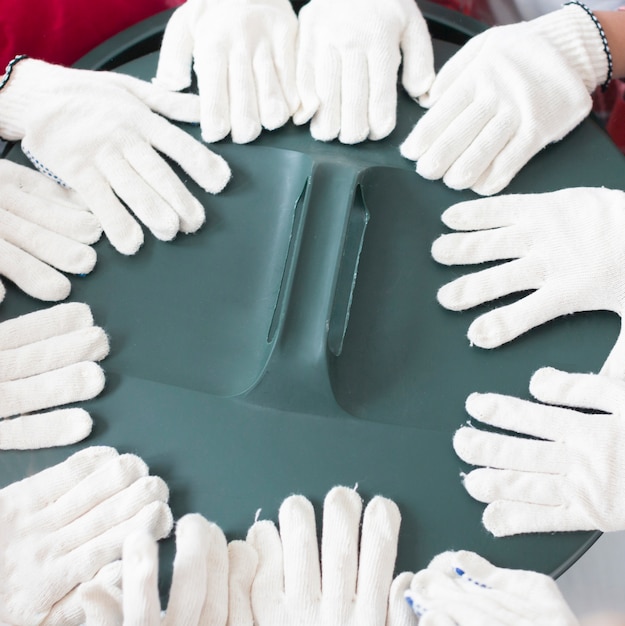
[{"x": 613, "y": 24}]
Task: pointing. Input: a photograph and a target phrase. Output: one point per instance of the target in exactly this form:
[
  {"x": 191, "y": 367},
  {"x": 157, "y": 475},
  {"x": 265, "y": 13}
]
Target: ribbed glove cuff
[
  {"x": 14, "y": 98},
  {"x": 573, "y": 32}
]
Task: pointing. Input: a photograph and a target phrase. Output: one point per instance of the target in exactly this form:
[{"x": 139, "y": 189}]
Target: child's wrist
[{"x": 613, "y": 24}]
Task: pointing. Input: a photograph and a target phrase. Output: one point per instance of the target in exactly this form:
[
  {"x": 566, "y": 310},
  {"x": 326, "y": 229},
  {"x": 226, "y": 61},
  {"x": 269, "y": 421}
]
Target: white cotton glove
[
  {"x": 353, "y": 586},
  {"x": 570, "y": 480},
  {"x": 348, "y": 58},
  {"x": 96, "y": 602},
  {"x": 243, "y": 54},
  {"x": 210, "y": 585},
  {"x": 464, "y": 589},
  {"x": 101, "y": 133},
  {"x": 504, "y": 96},
  {"x": 61, "y": 526},
  {"x": 566, "y": 246},
  {"x": 48, "y": 359},
  {"x": 44, "y": 230}
]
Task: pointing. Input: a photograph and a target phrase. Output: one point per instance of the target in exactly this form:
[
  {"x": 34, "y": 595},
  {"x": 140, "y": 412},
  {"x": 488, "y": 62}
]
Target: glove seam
[{"x": 46, "y": 171}]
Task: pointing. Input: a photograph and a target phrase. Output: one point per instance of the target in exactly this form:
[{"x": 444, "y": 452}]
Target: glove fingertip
[
  {"x": 212, "y": 176},
  {"x": 485, "y": 334},
  {"x": 193, "y": 222},
  {"x": 473, "y": 404},
  {"x": 411, "y": 147},
  {"x": 92, "y": 380},
  {"x": 91, "y": 229},
  {"x": 246, "y": 131},
  {"x": 128, "y": 243},
  {"x": 542, "y": 378},
  {"x": 221, "y": 177},
  {"x": 61, "y": 291},
  {"x": 418, "y": 83},
  {"x": 449, "y": 299},
  {"x": 214, "y": 130},
  {"x": 462, "y": 445},
  {"x": 82, "y": 424},
  {"x": 258, "y": 531},
  {"x": 494, "y": 520},
  {"x": 426, "y": 100},
  {"x": 490, "y": 185},
  {"x": 163, "y": 521},
  {"x": 304, "y": 113},
  {"x": 440, "y": 251}
]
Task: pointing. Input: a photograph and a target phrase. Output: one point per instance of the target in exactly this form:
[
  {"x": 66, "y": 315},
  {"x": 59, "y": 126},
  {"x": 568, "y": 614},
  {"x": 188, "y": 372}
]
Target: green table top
[{"x": 295, "y": 342}]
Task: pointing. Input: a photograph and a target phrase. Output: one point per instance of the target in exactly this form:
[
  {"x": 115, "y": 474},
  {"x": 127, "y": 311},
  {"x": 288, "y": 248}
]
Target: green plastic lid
[{"x": 295, "y": 342}]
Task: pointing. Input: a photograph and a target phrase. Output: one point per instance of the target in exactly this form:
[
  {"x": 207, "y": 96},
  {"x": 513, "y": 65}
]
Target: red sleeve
[{"x": 61, "y": 31}]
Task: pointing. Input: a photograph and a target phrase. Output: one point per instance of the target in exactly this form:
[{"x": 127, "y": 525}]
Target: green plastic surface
[{"x": 295, "y": 342}]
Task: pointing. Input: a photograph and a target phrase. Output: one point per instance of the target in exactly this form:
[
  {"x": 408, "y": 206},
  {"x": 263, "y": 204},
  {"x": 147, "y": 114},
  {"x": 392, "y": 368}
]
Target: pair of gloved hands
[
  {"x": 565, "y": 247},
  {"x": 258, "y": 64}
]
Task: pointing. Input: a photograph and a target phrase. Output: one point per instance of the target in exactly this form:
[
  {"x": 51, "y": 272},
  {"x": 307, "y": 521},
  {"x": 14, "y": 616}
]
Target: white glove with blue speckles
[{"x": 464, "y": 589}]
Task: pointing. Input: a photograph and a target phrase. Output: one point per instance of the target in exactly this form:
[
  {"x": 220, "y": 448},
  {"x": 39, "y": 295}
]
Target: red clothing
[
  {"x": 478, "y": 9},
  {"x": 61, "y": 31}
]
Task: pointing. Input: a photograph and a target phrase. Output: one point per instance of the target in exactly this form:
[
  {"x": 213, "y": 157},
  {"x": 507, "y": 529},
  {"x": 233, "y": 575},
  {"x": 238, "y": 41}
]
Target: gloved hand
[
  {"x": 210, "y": 585},
  {"x": 211, "y": 580},
  {"x": 570, "y": 480},
  {"x": 48, "y": 359},
  {"x": 504, "y": 96},
  {"x": 43, "y": 231},
  {"x": 61, "y": 526},
  {"x": 99, "y": 133},
  {"x": 96, "y": 602},
  {"x": 353, "y": 587},
  {"x": 348, "y": 57},
  {"x": 464, "y": 589},
  {"x": 567, "y": 247},
  {"x": 243, "y": 54}
]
